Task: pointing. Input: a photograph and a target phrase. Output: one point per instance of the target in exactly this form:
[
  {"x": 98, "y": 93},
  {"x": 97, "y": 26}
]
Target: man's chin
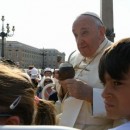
[{"x": 85, "y": 54}]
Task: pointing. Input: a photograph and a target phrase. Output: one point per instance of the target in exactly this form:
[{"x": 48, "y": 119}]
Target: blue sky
[{"x": 47, "y": 23}]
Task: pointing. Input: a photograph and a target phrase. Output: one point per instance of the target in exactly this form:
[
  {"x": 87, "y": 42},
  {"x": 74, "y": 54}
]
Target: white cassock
[{"x": 79, "y": 113}]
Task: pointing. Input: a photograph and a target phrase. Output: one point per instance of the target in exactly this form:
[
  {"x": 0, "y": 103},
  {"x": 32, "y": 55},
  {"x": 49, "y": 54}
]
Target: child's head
[{"x": 114, "y": 72}]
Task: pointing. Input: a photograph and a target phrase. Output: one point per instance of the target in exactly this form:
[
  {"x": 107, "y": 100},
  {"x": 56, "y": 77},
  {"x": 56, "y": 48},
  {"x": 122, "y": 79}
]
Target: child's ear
[{"x": 13, "y": 120}]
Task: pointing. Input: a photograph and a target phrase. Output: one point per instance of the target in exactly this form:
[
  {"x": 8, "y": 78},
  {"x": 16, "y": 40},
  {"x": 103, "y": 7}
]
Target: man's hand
[{"x": 78, "y": 89}]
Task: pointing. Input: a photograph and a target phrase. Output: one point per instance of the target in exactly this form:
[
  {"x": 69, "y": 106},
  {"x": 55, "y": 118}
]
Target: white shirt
[
  {"x": 34, "y": 71},
  {"x": 125, "y": 126}
]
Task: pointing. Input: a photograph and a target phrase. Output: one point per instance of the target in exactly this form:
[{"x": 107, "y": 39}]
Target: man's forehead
[
  {"x": 83, "y": 20},
  {"x": 83, "y": 23}
]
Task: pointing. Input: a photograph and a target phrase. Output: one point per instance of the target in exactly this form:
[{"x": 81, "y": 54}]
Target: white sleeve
[
  {"x": 41, "y": 82},
  {"x": 98, "y": 103}
]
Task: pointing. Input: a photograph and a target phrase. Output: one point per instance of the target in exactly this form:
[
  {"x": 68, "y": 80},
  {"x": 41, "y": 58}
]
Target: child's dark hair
[{"x": 115, "y": 60}]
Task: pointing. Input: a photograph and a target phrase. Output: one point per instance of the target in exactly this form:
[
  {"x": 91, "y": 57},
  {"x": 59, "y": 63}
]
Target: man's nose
[{"x": 80, "y": 41}]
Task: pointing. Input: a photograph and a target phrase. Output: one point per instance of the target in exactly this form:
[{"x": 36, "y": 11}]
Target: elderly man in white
[{"x": 83, "y": 106}]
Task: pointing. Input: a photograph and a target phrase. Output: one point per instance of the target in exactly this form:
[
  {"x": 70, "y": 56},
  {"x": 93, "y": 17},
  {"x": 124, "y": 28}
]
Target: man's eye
[{"x": 84, "y": 32}]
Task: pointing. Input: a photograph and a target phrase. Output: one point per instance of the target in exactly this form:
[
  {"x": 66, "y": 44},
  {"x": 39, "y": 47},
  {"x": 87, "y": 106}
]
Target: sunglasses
[{"x": 48, "y": 81}]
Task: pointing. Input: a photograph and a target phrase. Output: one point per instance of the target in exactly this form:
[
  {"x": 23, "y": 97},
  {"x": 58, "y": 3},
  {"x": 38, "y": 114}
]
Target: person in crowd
[
  {"x": 47, "y": 80},
  {"x": 32, "y": 70},
  {"x": 17, "y": 105},
  {"x": 47, "y": 73},
  {"x": 79, "y": 104},
  {"x": 114, "y": 72},
  {"x": 47, "y": 90},
  {"x": 55, "y": 77},
  {"x": 34, "y": 74},
  {"x": 56, "y": 74}
]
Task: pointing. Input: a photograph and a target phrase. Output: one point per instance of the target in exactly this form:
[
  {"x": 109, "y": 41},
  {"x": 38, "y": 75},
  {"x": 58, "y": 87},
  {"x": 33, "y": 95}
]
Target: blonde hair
[{"x": 14, "y": 84}]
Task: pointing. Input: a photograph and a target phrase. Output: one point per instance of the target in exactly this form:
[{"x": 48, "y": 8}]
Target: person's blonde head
[{"x": 16, "y": 94}]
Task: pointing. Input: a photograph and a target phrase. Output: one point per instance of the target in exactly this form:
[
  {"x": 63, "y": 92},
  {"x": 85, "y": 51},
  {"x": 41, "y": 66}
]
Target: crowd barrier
[{"x": 31, "y": 127}]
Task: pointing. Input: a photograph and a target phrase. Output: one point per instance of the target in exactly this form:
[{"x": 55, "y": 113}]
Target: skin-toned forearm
[{"x": 78, "y": 89}]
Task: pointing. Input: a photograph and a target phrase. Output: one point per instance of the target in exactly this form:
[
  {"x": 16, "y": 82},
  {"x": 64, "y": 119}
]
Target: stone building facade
[
  {"x": 27, "y": 55},
  {"x": 51, "y": 58}
]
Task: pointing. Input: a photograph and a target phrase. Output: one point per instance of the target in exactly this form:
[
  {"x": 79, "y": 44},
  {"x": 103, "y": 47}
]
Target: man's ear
[
  {"x": 102, "y": 31},
  {"x": 13, "y": 120}
]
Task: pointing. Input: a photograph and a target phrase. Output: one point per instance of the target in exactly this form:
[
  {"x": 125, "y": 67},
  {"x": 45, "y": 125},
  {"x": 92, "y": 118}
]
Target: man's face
[
  {"x": 117, "y": 97},
  {"x": 87, "y": 35},
  {"x": 48, "y": 73}
]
